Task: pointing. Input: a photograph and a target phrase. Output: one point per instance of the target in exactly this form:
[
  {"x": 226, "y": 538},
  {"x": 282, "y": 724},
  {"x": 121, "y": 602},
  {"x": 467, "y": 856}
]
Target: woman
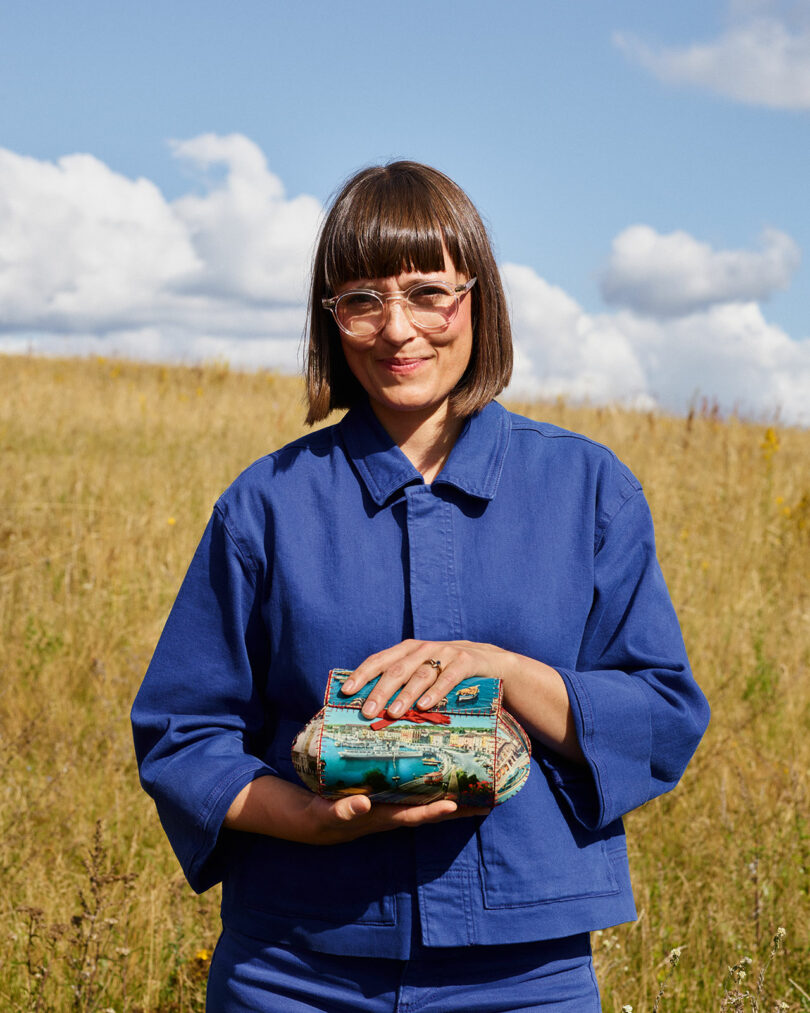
[{"x": 427, "y": 537}]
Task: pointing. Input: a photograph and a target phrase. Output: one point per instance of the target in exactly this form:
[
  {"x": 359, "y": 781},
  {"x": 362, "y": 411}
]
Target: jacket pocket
[{"x": 532, "y": 851}]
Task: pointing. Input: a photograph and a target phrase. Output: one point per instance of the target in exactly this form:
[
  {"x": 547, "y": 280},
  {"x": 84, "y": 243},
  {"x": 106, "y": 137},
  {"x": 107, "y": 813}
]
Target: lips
[{"x": 402, "y": 365}]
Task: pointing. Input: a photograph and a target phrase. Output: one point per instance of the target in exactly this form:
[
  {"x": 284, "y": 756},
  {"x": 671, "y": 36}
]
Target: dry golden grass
[{"x": 109, "y": 471}]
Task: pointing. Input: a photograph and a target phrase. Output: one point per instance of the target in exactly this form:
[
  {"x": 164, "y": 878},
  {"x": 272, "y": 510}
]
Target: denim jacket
[{"x": 531, "y": 538}]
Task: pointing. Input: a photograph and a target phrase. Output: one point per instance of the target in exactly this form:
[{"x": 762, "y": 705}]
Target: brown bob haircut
[{"x": 393, "y": 218}]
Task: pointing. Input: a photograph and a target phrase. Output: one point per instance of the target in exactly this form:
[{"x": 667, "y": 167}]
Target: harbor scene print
[{"x": 465, "y": 748}]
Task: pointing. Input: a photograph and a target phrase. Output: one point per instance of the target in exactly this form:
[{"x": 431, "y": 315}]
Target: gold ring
[{"x": 434, "y": 663}]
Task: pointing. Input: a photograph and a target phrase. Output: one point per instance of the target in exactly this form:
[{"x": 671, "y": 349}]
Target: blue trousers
[{"x": 248, "y": 976}]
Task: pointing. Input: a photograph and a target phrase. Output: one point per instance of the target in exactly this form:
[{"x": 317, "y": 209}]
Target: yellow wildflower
[{"x": 770, "y": 443}]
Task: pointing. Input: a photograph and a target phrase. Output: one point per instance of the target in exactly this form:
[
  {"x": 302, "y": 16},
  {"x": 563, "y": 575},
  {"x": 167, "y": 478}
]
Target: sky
[{"x": 642, "y": 169}]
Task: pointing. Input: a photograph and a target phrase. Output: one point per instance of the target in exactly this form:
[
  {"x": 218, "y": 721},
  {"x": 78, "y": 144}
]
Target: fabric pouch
[{"x": 466, "y": 748}]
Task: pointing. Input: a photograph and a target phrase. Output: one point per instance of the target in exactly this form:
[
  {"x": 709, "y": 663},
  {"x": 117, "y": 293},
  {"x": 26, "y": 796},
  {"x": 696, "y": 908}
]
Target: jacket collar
[{"x": 474, "y": 465}]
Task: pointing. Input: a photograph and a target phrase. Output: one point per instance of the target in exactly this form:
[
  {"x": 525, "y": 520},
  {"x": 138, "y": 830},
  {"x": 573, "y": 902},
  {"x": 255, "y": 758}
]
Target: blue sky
[{"x": 642, "y": 168}]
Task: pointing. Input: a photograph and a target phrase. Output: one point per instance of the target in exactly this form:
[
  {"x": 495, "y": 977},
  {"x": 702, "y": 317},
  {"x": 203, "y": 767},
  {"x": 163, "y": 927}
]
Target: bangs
[{"x": 393, "y": 223}]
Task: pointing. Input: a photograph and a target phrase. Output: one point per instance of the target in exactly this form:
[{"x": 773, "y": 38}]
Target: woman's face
[{"x": 401, "y": 368}]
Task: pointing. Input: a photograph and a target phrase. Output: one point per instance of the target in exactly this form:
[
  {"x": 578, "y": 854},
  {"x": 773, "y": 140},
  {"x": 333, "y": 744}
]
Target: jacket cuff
[
  {"x": 613, "y": 725},
  {"x": 200, "y": 852}
]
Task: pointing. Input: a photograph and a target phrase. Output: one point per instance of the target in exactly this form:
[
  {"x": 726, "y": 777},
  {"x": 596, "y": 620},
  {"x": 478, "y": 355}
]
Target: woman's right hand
[{"x": 270, "y": 805}]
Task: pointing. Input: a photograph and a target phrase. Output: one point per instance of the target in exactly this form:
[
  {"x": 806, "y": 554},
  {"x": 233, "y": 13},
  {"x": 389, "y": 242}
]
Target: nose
[{"x": 398, "y": 327}]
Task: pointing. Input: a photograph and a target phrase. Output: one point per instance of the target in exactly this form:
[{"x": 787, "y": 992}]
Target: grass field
[{"x": 108, "y": 473}]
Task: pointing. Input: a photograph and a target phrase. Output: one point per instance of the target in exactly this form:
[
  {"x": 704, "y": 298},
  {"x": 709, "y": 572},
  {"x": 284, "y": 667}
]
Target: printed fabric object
[{"x": 466, "y": 748}]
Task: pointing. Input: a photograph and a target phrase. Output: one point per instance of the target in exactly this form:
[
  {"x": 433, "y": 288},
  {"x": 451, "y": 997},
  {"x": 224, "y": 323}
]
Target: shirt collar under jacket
[{"x": 474, "y": 465}]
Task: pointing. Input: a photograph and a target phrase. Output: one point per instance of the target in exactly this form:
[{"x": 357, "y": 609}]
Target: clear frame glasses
[{"x": 430, "y": 306}]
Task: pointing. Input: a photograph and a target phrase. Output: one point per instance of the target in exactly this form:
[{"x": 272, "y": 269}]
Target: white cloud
[
  {"x": 81, "y": 245},
  {"x": 727, "y": 352},
  {"x": 84, "y": 251},
  {"x": 560, "y": 350},
  {"x": 93, "y": 262},
  {"x": 675, "y": 274},
  {"x": 763, "y": 58},
  {"x": 253, "y": 242},
  {"x": 162, "y": 344}
]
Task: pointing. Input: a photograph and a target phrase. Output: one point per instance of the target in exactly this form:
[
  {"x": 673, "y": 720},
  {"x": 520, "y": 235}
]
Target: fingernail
[
  {"x": 348, "y": 686},
  {"x": 370, "y": 708},
  {"x": 426, "y": 701},
  {"x": 395, "y": 709}
]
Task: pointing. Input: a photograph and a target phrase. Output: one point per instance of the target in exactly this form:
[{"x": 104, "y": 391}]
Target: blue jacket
[{"x": 531, "y": 538}]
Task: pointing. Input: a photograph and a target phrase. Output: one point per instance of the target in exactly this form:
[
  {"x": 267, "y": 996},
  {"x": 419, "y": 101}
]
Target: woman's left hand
[
  {"x": 407, "y": 667},
  {"x": 533, "y": 691}
]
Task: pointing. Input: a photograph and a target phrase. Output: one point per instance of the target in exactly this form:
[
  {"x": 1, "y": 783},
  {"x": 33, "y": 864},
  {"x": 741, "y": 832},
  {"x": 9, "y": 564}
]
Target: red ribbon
[{"x": 418, "y": 718}]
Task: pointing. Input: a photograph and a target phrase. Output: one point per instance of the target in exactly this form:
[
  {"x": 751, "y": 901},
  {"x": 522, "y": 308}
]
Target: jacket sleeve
[
  {"x": 638, "y": 712},
  {"x": 201, "y": 705}
]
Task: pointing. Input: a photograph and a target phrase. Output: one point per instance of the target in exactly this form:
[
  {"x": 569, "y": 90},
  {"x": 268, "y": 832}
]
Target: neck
[{"x": 426, "y": 439}]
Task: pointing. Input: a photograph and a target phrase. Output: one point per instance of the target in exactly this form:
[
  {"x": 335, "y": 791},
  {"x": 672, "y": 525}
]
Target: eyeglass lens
[{"x": 431, "y": 307}]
